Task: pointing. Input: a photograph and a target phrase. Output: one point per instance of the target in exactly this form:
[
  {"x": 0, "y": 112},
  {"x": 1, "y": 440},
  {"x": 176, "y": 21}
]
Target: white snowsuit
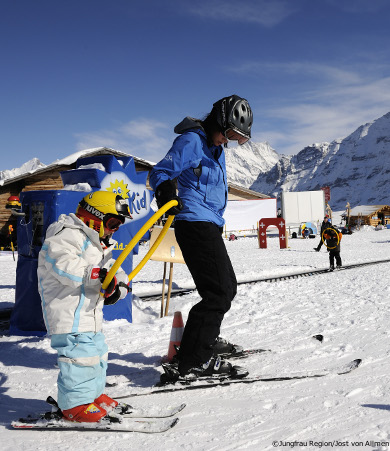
[{"x": 73, "y": 307}]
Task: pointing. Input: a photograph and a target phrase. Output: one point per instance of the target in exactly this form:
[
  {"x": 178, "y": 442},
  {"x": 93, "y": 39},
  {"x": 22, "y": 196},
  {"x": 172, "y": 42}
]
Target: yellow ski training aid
[
  {"x": 338, "y": 234},
  {"x": 141, "y": 232}
]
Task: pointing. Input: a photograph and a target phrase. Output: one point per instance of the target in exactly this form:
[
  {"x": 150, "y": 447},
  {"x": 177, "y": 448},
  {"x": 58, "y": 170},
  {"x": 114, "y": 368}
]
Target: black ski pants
[
  {"x": 334, "y": 254},
  {"x": 206, "y": 257}
]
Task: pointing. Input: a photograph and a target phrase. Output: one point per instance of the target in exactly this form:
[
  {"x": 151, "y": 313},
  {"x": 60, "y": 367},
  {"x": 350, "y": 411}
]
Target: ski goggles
[
  {"x": 233, "y": 135},
  {"x": 112, "y": 223}
]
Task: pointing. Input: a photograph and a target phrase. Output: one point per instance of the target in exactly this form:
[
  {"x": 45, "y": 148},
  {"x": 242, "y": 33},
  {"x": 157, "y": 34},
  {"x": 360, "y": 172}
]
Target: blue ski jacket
[{"x": 200, "y": 171}]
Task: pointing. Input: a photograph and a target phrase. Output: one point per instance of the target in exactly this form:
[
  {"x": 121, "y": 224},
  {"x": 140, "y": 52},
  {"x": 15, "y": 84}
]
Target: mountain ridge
[{"x": 356, "y": 168}]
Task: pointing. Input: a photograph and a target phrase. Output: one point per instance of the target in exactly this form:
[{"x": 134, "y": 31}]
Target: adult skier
[
  {"x": 72, "y": 264},
  {"x": 197, "y": 160},
  {"x": 325, "y": 223}
]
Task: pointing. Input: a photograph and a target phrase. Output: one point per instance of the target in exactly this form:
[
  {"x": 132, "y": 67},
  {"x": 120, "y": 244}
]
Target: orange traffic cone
[{"x": 176, "y": 335}]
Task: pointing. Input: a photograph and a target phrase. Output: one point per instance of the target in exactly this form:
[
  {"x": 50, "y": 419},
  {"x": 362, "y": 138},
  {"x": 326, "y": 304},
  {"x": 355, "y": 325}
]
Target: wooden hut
[
  {"x": 48, "y": 178},
  {"x": 372, "y": 215}
]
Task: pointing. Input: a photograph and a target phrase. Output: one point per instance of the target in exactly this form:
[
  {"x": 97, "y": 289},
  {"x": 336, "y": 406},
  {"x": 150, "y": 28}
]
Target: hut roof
[
  {"x": 367, "y": 210},
  {"x": 247, "y": 190},
  {"x": 70, "y": 159}
]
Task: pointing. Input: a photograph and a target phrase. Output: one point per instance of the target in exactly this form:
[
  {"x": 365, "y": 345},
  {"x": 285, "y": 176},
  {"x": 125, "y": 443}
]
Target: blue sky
[{"x": 77, "y": 74}]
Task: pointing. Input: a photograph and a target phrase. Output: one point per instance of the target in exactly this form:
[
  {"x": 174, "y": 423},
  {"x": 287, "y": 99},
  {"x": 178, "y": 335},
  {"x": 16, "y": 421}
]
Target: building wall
[{"x": 48, "y": 180}]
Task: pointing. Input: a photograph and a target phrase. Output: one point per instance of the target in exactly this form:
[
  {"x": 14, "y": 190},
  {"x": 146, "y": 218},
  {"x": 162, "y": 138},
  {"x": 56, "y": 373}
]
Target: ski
[
  {"x": 244, "y": 353},
  {"x": 126, "y": 411},
  {"x": 107, "y": 423},
  {"x": 249, "y": 352},
  {"x": 218, "y": 381}
]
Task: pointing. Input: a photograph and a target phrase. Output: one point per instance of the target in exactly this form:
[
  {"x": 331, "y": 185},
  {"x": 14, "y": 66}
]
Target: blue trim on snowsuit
[
  {"x": 61, "y": 273},
  {"x": 79, "y": 382}
]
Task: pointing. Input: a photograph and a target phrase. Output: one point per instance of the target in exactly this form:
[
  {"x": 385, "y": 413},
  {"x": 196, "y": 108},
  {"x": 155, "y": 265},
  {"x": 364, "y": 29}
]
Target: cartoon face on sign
[
  {"x": 137, "y": 196},
  {"x": 118, "y": 187}
]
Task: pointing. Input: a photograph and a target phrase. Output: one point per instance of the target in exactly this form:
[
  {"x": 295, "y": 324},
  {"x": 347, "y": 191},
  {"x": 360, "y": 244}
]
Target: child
[
  {"x": 73, "y": 263},
  {"x": 332, "y": 240}
]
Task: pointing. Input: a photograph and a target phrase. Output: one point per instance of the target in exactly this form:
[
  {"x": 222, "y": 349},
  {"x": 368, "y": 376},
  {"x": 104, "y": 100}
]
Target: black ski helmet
[{"x": 234, "y": 113}]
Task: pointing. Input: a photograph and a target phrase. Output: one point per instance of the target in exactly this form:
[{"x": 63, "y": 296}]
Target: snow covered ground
[{"x": 350, "y": 308}]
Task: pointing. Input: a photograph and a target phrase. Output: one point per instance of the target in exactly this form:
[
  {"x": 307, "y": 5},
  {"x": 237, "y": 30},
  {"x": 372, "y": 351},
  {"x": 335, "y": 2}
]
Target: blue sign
[{"x": 41, "y": 208}]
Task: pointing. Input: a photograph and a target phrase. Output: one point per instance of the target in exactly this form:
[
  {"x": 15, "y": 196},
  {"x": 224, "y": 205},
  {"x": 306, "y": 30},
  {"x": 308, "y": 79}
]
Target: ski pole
[
  {"x": 141, "y": 232},
  {"x": 10, "y": 230}
]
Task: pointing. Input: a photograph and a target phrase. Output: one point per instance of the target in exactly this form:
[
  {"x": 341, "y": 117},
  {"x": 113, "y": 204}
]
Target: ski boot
[
  {"x": 215, "y": 368},
  {"x": 105, "y": 401},
  {"x": 221, "y": 347},
  {"x": 85, "y": 413},
  {"x": 112, "y": 406},
  {"x": 225, "y": 349}
]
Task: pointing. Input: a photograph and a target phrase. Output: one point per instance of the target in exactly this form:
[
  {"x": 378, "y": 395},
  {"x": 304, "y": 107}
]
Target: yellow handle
[
  {"x": 141, "y": 232},
  {"x": 322, "y": 238},
  {"x": 160, "y": 237}
]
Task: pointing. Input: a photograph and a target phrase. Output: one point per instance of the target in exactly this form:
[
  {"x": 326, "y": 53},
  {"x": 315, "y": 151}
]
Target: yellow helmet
[{"x": 103, "y": 209}]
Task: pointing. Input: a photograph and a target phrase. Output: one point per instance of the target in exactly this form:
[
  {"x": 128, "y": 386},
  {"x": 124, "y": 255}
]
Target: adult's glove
[{"x": 165, "y": 192}]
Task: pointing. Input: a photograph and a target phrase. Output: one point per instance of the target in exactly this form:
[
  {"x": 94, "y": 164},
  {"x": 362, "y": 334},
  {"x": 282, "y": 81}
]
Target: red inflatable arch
[{"x": 280, "y": 223}]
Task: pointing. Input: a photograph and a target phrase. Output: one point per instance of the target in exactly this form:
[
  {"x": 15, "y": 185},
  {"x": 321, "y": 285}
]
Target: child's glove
[
  {"x": 120, "y": 291},
  {"x": 114, "y": 291},
  {"x": 101, "y": 274}
]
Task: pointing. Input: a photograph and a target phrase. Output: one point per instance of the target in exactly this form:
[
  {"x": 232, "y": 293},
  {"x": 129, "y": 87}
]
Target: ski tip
[
  {"x": 181, "y": 407},
  {"x": 350, "y": 366},
  {"x": 174, "y": 422},
  {"x": 319, "y": 337},
  {"x": 354, "y": 363}
]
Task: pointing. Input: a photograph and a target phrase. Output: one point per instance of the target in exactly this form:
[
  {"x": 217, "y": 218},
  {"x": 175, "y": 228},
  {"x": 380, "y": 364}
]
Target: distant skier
[
  {"x": 324, "y": 225},
  {"x": 73, "y": 263},
  {"x": 332, "y": 239},
  {"x": 197, "y": 161}
]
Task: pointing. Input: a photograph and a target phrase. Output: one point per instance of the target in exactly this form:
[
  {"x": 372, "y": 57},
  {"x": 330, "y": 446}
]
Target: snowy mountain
[
  {"x": 29, "y": 166},
  {"x": 357, "y": 168},
  {"x": 246, "y": 162}
]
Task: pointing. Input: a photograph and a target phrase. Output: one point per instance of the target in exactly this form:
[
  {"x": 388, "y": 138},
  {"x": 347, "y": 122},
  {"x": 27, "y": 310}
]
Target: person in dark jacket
[
  {"x": 324, "y": 225},
  {"x": 332, "y": 238},
  {"x": 197, "y": 161}
]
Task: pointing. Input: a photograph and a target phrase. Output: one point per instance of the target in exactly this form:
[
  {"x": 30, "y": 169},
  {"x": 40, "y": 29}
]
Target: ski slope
[{"x": 349, "y": 308}]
